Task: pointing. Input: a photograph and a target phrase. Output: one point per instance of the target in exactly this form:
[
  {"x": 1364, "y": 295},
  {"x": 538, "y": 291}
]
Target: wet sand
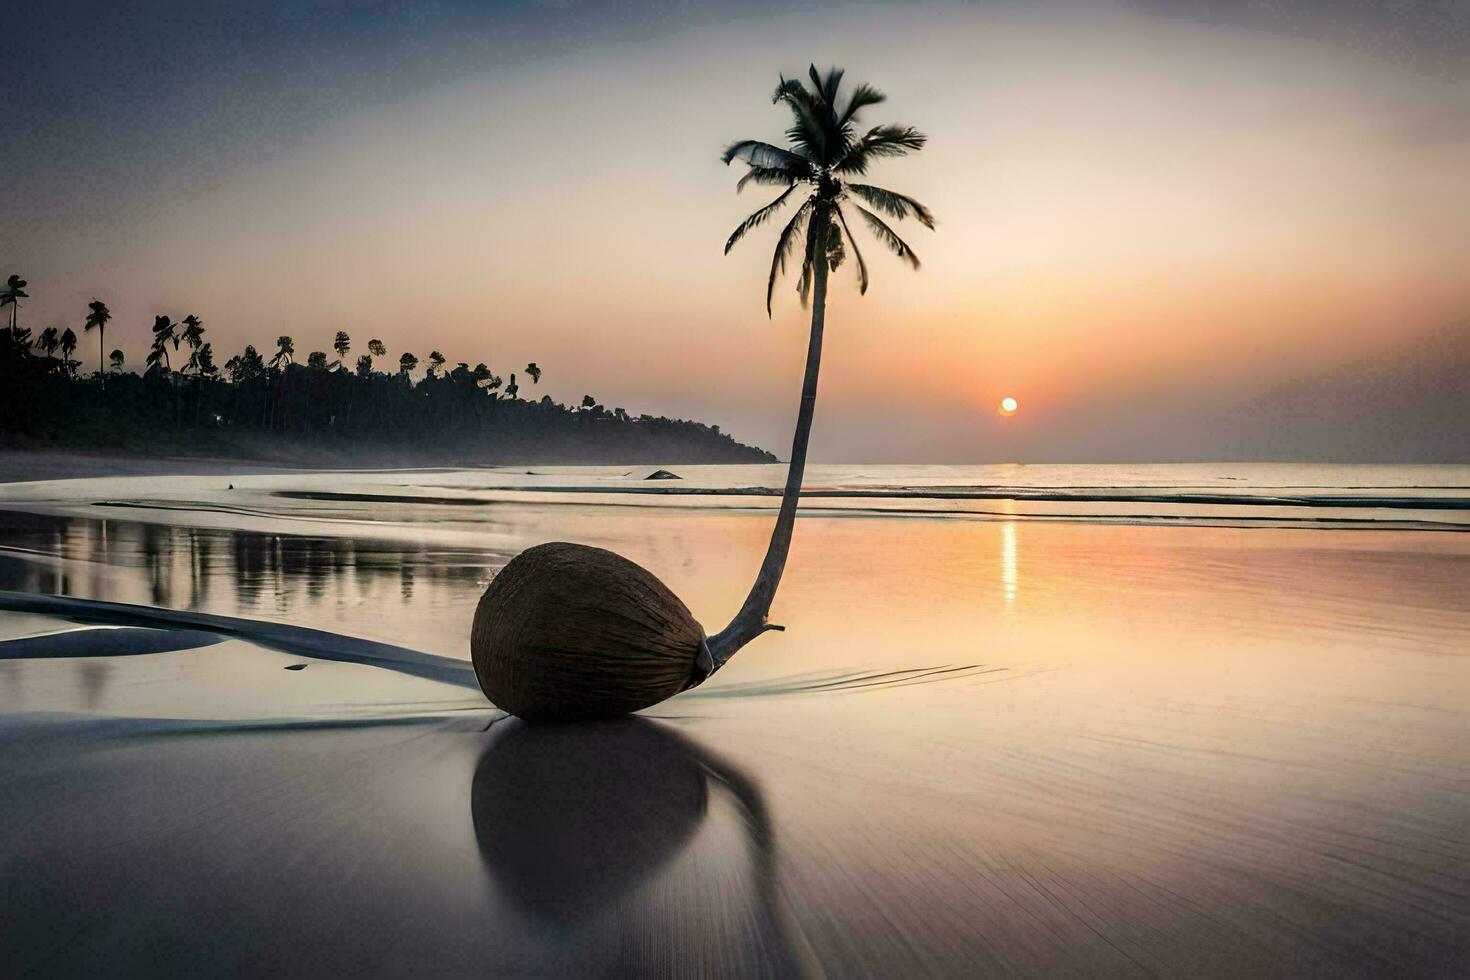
[{"x": 1024, "y": 746}]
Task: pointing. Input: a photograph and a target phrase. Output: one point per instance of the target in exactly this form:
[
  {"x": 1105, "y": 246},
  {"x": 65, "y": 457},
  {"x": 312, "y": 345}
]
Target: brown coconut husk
[{"x": 567, "y": 631}]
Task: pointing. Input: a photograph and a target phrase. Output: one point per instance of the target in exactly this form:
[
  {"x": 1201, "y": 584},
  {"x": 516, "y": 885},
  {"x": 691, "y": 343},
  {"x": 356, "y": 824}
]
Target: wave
[{"x": 1026, "y": 494}]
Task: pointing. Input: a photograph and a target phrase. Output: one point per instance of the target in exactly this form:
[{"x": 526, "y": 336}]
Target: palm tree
[
  {"x": 534, "y": 372},
  {"x": 285, "y": 351},
  {"x": 97, "y": 316},
  {"x": 163, "y": 332},
  {"x": 376, "y": 348},
  {"x": 193, "y": 334},
  {"x": 49, "y": 340},
  {"x": 568, "y": 631},
  {"x": 485, "y": 379},
  {"x": 116, "y": 360},
  {"x": 201, "y": 359},
  {"x": 825, "y": 151},
  {"x": 14, "y": 293},
  {"x": 436, "y": 362},
  {"x": 68, "y": 347},
  {"x": 342, "y": 344}
]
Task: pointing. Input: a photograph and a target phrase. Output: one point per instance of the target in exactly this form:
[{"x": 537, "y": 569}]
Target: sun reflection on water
[{"x": 1008, "y": 562}]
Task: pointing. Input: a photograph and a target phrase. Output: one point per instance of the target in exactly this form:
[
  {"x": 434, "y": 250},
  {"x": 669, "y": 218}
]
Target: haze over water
[{"x": 1214, "y": 725}]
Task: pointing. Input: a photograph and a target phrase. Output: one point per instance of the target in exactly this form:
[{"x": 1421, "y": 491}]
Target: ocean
[{"x": 1203, "y": 718}]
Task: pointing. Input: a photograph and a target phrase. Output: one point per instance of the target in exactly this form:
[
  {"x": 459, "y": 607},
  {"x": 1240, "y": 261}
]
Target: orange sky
[{"x": 1132, "y": 212}]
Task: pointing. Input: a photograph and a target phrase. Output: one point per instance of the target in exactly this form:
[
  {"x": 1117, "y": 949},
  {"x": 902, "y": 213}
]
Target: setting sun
[{"x": 1008, "y": 406}]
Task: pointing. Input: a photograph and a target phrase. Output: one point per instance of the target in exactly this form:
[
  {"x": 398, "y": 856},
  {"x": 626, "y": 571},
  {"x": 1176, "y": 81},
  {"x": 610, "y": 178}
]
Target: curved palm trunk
[{"x": 750, "y": 621}]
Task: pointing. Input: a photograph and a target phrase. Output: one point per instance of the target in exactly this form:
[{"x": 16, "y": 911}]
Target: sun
[{"x": 1008, "y": 405}]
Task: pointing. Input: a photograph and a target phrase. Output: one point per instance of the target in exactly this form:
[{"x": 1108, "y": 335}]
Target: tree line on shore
[{"x": 185, "y": 399}]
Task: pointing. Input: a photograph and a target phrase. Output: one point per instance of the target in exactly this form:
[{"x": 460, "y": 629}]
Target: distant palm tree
[
  {"x": 436, "y": 363},
  {"x": 825, "y": 152},
  {"x": 116, "y": 360},
  {"x": 342, "y": 344},
  {"x": 11, "y": 297},
  {"x": 285, "y": 351},
  {"x": 68, "y": 347},
  {"x": 485, "y": 379},
  {"x": 163, "y": 333},
  {"x": 376, "y": 348},
  {"x": 201, "y": 360},
  {"x": 97, "y": 316},
  {"x": 534, "y": 372},
  {"x": 406, "y": 364},
  {"x": 193, "y": 334},
  {"x": 49, "y": 340}
]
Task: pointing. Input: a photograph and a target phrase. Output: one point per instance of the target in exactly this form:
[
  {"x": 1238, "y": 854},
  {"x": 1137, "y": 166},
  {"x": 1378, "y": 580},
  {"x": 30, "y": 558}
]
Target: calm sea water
[{"x": 1105, "y": 719}]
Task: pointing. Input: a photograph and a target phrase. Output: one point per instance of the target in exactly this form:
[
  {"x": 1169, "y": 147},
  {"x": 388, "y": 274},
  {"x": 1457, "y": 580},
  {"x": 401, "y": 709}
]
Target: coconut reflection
[{"x": 571, "y": 819}]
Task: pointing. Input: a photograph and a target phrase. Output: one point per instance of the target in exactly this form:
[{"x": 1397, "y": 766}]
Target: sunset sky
[{"x": 1169, "y": 230}]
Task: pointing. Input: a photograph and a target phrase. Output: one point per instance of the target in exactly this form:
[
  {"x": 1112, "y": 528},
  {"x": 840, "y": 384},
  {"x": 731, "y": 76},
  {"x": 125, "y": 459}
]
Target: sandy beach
[{"x": 242, "y": 736}]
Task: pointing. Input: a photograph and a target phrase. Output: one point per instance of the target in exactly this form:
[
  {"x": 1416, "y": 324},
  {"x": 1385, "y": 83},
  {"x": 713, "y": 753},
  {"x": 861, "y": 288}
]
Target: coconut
[{"x": 567, "y": 631}]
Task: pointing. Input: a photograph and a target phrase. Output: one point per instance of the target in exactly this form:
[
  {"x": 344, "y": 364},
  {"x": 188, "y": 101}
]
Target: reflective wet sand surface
[{"x": 983, "y": 744}]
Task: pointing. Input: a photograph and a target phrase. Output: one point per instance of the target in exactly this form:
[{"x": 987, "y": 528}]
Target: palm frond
[
  {"x": 863, "y": 96},
  {"x": 757, "y": 218},
  {"x": 783, "y": 246},
  {"x": 893, "y": 204},
  {"x": 880, "y": 141},
  {"x": 804, "y": 281},
  {"x": 806, "y": 132},
  {"x": 827, "y": 87},
  {"x": 766, "y": 175},
  {"x": 761, "y": 154},
  {"x": 886, "y": 235},
  {"x": 856, "y": 253}
]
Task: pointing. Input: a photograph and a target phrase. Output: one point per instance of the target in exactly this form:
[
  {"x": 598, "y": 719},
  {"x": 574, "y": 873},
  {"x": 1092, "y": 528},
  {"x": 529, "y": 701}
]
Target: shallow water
[{"x": 1161, "y": 734}]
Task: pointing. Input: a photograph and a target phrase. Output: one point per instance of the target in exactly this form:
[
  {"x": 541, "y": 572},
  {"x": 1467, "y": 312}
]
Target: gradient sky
[{"x": 1183, "y": 230}]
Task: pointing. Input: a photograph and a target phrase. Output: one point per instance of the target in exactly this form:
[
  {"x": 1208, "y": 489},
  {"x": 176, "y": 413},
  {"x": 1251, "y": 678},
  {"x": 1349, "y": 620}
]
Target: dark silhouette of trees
[
  {"x": 534, "y": 372},
  {"x": 825, "y": 152},
  {"x": 261, "y": 408}
]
